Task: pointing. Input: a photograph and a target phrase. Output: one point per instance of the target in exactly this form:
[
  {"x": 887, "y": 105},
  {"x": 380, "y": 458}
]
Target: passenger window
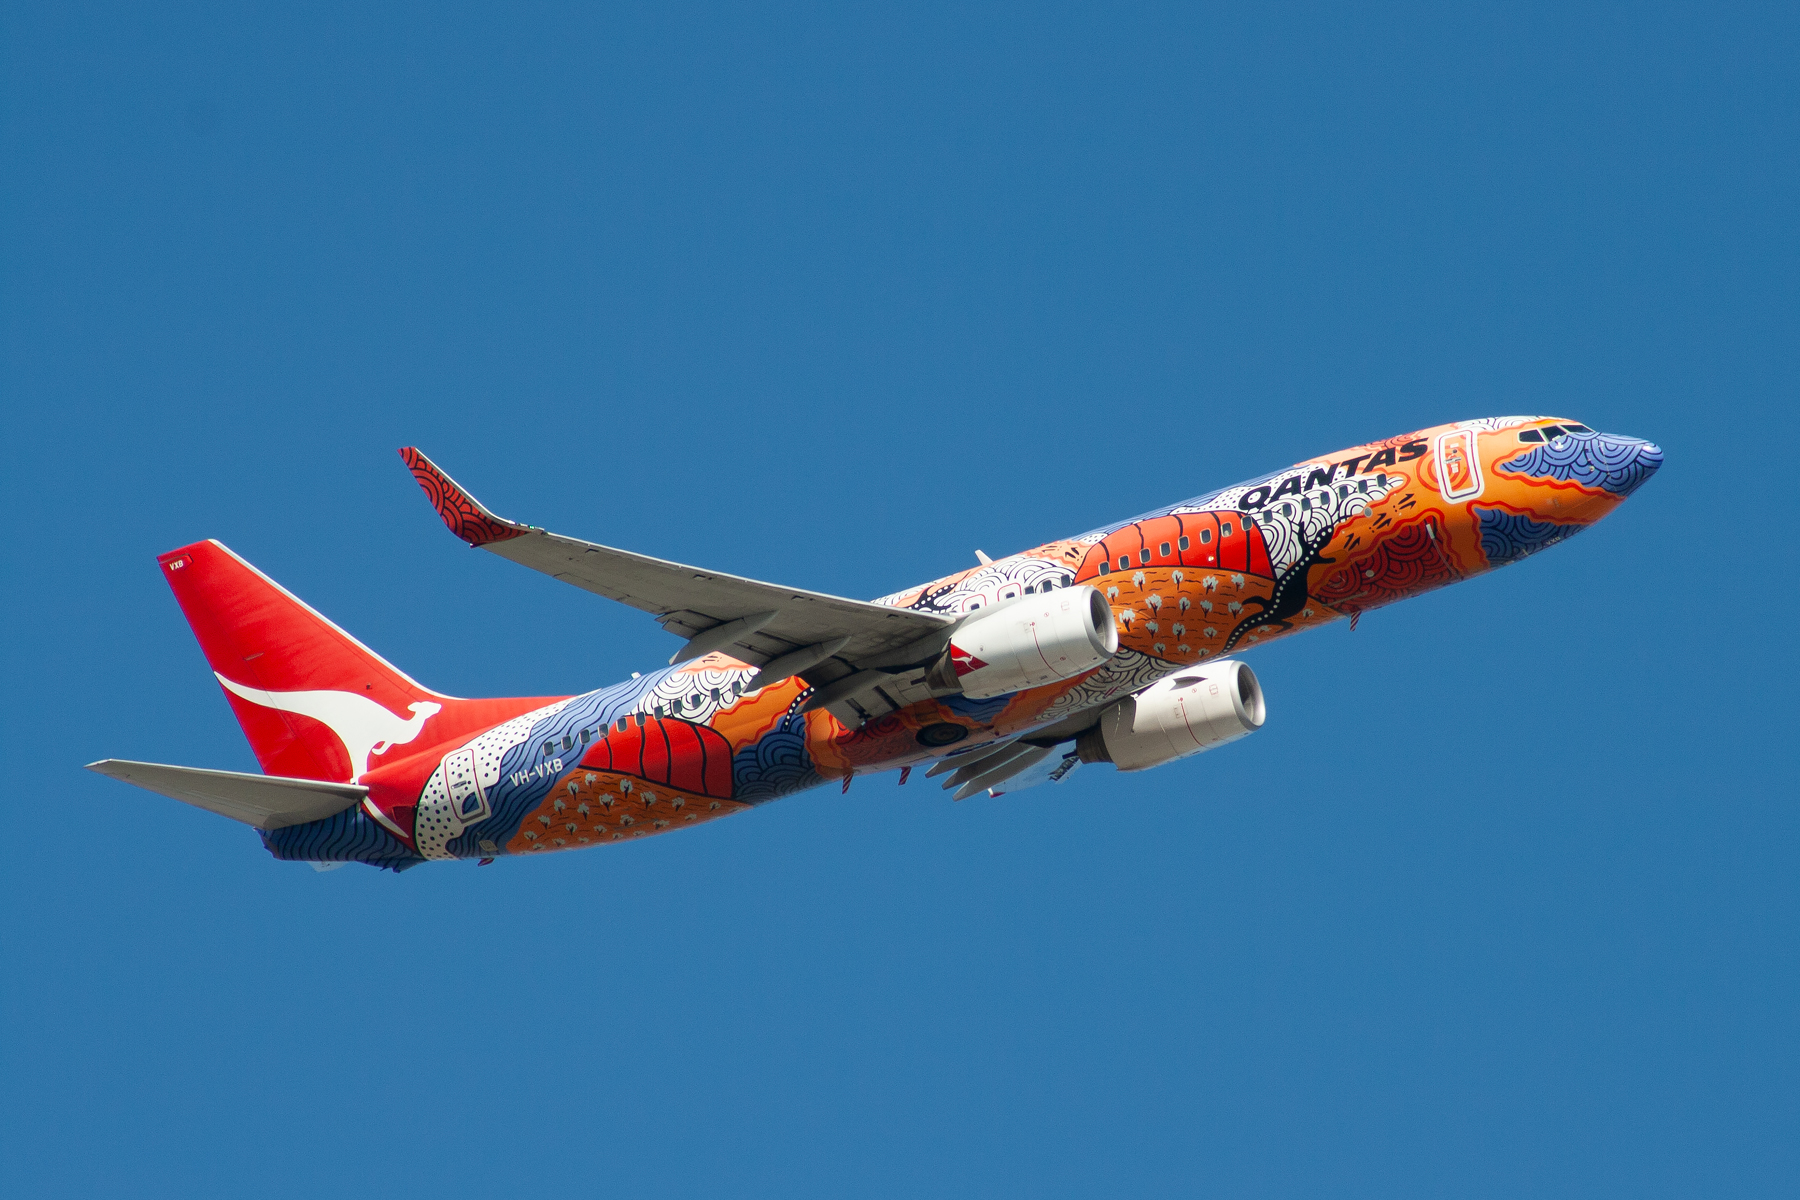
[
  {"x": 1225, "y": 529},
  {"x": 549, "y": 749},
  {"x": 1184, "y": 542},
  {"x": 1105, "y": 567},
  {"x": 1144, "y": 554},
  {"x": 1206, "y": 537},
  {"x": 640, "y": 720},
  {"x": 1163, "y": 549},
  {"x": 1124, "y": 562},
  {"x": 568, "y": 742}
]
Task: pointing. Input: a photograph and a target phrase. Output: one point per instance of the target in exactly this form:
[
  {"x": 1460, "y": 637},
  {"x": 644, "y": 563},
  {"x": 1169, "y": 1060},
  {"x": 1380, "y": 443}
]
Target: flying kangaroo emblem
[{"x": 364, "y": 726}]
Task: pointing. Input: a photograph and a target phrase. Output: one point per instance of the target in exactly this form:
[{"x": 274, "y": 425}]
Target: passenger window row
[
  {"x": 1164, "y": 549},
  {"x": 1012, "y": 593}
]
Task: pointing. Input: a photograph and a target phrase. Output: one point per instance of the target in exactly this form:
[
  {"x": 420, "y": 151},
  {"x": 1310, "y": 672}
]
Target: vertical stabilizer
[{"x": 314, "y": 702}]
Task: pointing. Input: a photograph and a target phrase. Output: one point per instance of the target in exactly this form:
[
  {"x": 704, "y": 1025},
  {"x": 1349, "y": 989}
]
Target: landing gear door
[{"x": 467, "y": 800}]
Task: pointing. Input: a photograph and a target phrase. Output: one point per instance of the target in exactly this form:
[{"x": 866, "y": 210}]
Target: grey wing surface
[{"x": 827, "y": 640}]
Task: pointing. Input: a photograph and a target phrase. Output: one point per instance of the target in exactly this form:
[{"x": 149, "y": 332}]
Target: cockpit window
[
  {"x": 1531, "y": 435},
  {"x": 1577, "y": 429}
]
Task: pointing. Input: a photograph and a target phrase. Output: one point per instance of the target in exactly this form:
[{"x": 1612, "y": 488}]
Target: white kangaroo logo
[{"x": 364, "y": 726}]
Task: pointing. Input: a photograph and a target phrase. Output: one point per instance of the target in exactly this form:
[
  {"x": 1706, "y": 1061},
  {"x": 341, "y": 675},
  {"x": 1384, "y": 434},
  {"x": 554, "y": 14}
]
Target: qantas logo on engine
[{"x": 962, "y": 661}]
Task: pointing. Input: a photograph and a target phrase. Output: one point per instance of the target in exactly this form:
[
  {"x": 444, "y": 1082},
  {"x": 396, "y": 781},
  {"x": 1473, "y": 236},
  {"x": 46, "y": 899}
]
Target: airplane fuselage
[{"x": 1207, "y": 578}]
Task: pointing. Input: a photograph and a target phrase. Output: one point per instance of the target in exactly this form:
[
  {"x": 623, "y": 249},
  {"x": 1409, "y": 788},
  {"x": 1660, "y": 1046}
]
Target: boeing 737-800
[{"x": 1119, "y": 646}]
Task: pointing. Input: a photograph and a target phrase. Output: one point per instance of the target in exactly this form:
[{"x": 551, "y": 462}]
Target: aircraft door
[{"x": 467, "y": 801}]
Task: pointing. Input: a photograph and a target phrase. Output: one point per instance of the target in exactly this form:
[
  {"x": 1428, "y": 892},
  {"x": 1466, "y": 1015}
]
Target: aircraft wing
[{"x": 784, "y": 630}]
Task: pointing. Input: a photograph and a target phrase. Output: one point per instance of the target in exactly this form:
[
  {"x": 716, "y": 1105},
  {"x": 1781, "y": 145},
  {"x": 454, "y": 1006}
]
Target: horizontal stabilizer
[{"x": 263, "y": 801}]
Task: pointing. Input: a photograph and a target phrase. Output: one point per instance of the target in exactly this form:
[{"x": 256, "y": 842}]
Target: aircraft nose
[
  {"x": 1608, "y": 461},
  {"x": 1625, "y": 463}
]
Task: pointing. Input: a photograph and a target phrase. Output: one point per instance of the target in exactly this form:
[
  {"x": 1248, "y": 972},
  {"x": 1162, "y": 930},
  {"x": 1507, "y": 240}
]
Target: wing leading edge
[{"x": 785, "y": 630}]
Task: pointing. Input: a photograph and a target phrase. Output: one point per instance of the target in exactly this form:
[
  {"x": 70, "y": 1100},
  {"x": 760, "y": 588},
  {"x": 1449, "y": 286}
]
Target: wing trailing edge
[{"x": 755, "y": 622}]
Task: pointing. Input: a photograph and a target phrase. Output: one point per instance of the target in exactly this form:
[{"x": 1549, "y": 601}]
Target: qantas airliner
[{"x": 1119, "y": 646}]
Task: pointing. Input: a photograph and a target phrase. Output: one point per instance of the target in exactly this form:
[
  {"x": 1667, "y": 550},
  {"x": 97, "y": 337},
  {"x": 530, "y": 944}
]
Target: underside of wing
[{"x": 827, "y": 639}]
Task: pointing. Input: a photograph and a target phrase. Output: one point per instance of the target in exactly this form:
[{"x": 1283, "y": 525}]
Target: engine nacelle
[
  {"x": 1193, "y": 710},
  {"x": 1039, "y": 638}
]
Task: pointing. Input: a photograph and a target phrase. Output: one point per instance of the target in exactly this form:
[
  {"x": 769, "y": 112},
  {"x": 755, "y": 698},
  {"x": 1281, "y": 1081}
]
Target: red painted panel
[
  {"x": 669, "y": 750},
  {"x": 687, "y": 761},
  {"x": 1259, "y": 553}
]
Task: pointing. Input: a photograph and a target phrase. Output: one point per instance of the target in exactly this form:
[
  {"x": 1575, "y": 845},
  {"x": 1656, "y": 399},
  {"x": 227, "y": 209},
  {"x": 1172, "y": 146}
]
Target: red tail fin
[{"x": 314, "y": 702}]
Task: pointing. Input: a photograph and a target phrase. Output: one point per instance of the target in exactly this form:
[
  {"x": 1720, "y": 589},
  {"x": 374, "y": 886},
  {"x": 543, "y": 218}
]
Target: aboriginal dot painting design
[
  {"x": 1619, "y": 465},
  {"x": 588, "y": 808},
  {"x": 444, "y": 812},
  {"x": 1216, "y": 575},
  {"x": 463, "y": 516}
]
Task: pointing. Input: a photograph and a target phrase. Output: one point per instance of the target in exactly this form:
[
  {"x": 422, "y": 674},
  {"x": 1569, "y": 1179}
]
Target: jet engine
[
  {"x": 1194, "y": 710},
  {"x": 1039, "y": 638}
]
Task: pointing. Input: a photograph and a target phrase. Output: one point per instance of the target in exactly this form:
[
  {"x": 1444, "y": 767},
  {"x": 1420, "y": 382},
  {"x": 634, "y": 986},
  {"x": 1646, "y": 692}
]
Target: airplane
[{"x": 1122, "y": 645}]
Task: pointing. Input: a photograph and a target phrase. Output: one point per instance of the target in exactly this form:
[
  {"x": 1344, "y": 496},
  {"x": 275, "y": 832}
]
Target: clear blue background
[{"x": 1502, "y": 902}]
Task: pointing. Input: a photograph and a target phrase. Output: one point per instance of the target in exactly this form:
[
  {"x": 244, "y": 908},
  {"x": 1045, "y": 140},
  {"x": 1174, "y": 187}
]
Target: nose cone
[
  {"x": 1609, "y": 461},
  {"x": 1622, "y": 464}
]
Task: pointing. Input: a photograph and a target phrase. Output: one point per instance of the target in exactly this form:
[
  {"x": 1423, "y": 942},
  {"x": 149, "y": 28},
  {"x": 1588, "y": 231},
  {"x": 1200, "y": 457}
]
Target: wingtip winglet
[{"x": 462, "y": 514}]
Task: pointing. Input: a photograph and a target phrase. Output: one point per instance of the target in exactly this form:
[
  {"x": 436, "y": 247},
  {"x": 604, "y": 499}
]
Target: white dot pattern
[{"x": 440, "y": 818}]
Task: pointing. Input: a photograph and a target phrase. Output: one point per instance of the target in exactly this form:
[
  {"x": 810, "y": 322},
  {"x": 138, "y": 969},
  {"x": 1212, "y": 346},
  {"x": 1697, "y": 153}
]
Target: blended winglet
[{"x": 464, "y": 515}]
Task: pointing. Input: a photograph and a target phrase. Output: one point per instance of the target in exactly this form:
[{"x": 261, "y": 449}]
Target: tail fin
[{"x": 314, "y": 702}]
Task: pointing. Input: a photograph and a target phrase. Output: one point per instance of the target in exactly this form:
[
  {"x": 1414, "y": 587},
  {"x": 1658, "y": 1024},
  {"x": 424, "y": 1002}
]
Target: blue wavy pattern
[
  {"x": 350, "y": 836},
  {"x": 977, "y": 710},
  {"x": 1508, "y": 537},
  {"x": 776, "y": 764},
  {"x": 1597, "y": 460},
  {"x": 513, "y": 799}
]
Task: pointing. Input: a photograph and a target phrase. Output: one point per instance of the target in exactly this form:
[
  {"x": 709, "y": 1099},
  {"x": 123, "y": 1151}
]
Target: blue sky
[{"x": 1502, "y": 901}]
